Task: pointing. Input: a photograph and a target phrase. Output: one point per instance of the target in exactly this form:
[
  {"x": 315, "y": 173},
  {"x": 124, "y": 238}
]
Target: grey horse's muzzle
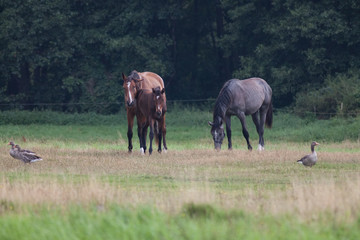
[{"x": 217, "y": 146}]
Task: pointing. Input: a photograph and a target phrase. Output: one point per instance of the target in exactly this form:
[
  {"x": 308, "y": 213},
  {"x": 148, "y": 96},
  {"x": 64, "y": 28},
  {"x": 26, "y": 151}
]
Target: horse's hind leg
[
  {"x": 241, "y": 116},
  {"x": 263, "y": 111},
  {"x": 259, "y": 129}
]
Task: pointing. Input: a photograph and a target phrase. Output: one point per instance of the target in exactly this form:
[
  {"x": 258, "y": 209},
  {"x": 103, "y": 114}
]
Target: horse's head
[
  {"x": 131, "y": 86},
  {"x": 159, "y": 99},
  {"x": 217, "y": 131}
]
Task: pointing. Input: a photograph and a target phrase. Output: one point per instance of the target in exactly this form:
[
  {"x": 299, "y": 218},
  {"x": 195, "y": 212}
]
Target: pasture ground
[{"x": 89, "y": 187}]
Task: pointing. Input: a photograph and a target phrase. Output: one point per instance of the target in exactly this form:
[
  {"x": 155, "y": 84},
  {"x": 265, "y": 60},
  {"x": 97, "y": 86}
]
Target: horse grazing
[
  {"x": 242, "y": 97},
  {"x": 151, "y": 109},
  {"x": 132, "y": 84}
]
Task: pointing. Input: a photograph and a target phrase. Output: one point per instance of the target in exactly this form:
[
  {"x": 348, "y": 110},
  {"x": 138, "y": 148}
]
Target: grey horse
[{"x": 240, "y": 98}]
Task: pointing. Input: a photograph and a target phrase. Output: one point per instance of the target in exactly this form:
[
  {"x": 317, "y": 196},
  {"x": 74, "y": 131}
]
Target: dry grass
[{"x": 268, "y": 182}]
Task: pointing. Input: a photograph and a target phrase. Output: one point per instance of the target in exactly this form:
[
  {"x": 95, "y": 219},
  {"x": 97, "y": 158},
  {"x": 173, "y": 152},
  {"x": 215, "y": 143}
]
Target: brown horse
[
  {"x": 132, "y": 84},
  {"x": 151, "y": 109}
]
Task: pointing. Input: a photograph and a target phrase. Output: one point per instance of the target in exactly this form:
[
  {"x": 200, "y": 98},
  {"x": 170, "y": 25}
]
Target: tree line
[{"x": 73, "y": 52}]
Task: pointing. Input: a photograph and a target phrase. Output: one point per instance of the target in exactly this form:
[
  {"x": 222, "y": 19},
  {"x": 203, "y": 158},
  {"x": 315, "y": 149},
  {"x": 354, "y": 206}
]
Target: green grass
[
  {"x": 187, "y": 128},
  {"x": 89, "y": 151},
  {"x": 194, "y": 222}
]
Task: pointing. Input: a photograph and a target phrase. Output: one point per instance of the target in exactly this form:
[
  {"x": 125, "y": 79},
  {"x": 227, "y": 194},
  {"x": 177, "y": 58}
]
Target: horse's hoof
[
  {"x": 250, "y": 148},
  {"x": 260, "y": 148},
  {"x": 230, "y": 148},
  {"x": 142, "y": 151},
  {"x": 164, "y": 150}
]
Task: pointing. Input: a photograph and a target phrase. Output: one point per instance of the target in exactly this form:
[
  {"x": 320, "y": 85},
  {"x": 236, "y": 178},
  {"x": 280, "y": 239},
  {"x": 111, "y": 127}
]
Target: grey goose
[{"x": 310, "y": 159}]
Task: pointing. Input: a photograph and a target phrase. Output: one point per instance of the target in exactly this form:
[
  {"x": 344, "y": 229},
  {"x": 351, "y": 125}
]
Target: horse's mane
[
  {"x": 134, "y": 75},
  {"x": 222, "y": 101}
]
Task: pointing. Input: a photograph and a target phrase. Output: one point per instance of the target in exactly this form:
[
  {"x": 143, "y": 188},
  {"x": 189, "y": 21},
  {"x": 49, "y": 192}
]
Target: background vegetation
[
  {"x": 187, "y": 126},
  {"x": 60, "y": 73},
  {"x": 68, "y": 55}
]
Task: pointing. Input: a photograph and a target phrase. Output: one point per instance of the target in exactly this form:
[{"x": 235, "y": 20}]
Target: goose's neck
[{"x": 313, "y": 151}]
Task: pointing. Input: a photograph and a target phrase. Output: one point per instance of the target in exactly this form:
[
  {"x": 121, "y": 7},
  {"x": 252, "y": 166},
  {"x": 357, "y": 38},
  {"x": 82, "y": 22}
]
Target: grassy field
[{"x": 89, "y": 187}]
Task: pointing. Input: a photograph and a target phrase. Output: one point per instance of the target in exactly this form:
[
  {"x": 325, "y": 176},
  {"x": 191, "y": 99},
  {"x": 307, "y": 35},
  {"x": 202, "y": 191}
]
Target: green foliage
[
  {"x": 339, "y": 96},
  {"x": 65, "y": 54},
  {"x": 292, "y": 128},
  {"x": 69, "y": 53},
  {"x": 301, "y": 42}
]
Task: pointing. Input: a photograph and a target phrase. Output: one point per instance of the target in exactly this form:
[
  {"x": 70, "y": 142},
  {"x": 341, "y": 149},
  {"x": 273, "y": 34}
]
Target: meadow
[{"x": 89, "y": 187}]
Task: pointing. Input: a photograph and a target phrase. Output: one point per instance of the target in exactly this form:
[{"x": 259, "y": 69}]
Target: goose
[
  {"x": 24, "y": 155},
  {"x": 310, "y": 159},
  {"x": 27, "y": 156}
]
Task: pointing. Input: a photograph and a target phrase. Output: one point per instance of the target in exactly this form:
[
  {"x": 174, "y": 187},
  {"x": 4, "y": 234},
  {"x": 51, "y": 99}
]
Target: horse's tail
[
  {"x": 156, "y": 132},
  {"x": 269, "y": 116}
]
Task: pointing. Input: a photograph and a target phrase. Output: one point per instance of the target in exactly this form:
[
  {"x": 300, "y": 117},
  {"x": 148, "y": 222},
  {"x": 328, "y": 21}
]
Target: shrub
[{"x": 340, "y": 96}]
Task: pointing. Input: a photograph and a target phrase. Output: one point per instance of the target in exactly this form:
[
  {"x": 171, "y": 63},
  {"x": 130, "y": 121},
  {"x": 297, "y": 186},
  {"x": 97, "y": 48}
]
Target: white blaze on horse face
[
  {"x": 128, "y": 85},
  {"x": 158, "y": 105}
]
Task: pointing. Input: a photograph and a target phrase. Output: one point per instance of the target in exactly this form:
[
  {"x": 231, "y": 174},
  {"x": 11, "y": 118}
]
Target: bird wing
[
  {"x": 29, "y": 157},
  {"x": 27, "y": 151},
  {"x": 305, "y": 160}
]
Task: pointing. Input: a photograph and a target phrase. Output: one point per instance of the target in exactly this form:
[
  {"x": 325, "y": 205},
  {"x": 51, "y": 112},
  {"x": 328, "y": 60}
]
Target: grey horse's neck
[{"x": 221, "y": 105}]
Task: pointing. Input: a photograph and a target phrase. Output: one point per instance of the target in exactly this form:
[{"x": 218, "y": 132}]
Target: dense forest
[{"x": 69, "y": 55}]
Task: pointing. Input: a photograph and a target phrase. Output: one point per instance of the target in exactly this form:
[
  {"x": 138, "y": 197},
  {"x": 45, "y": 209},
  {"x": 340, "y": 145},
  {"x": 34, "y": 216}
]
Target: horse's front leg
[
  {"x": 159, "y": 136},
  {"x": 151, "y": 135},
  {"x": 140, "y": 137},
  {"x": 228, "y": 130},
  {"x": 163, "y": 131},
  {"x": 141, "y": 127},
  {"x": 241, "y": 116},
  {"x": 144, "y": 136},
  {"x": 130, "y": 118},
  {"x": 143, "y": 139}
]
